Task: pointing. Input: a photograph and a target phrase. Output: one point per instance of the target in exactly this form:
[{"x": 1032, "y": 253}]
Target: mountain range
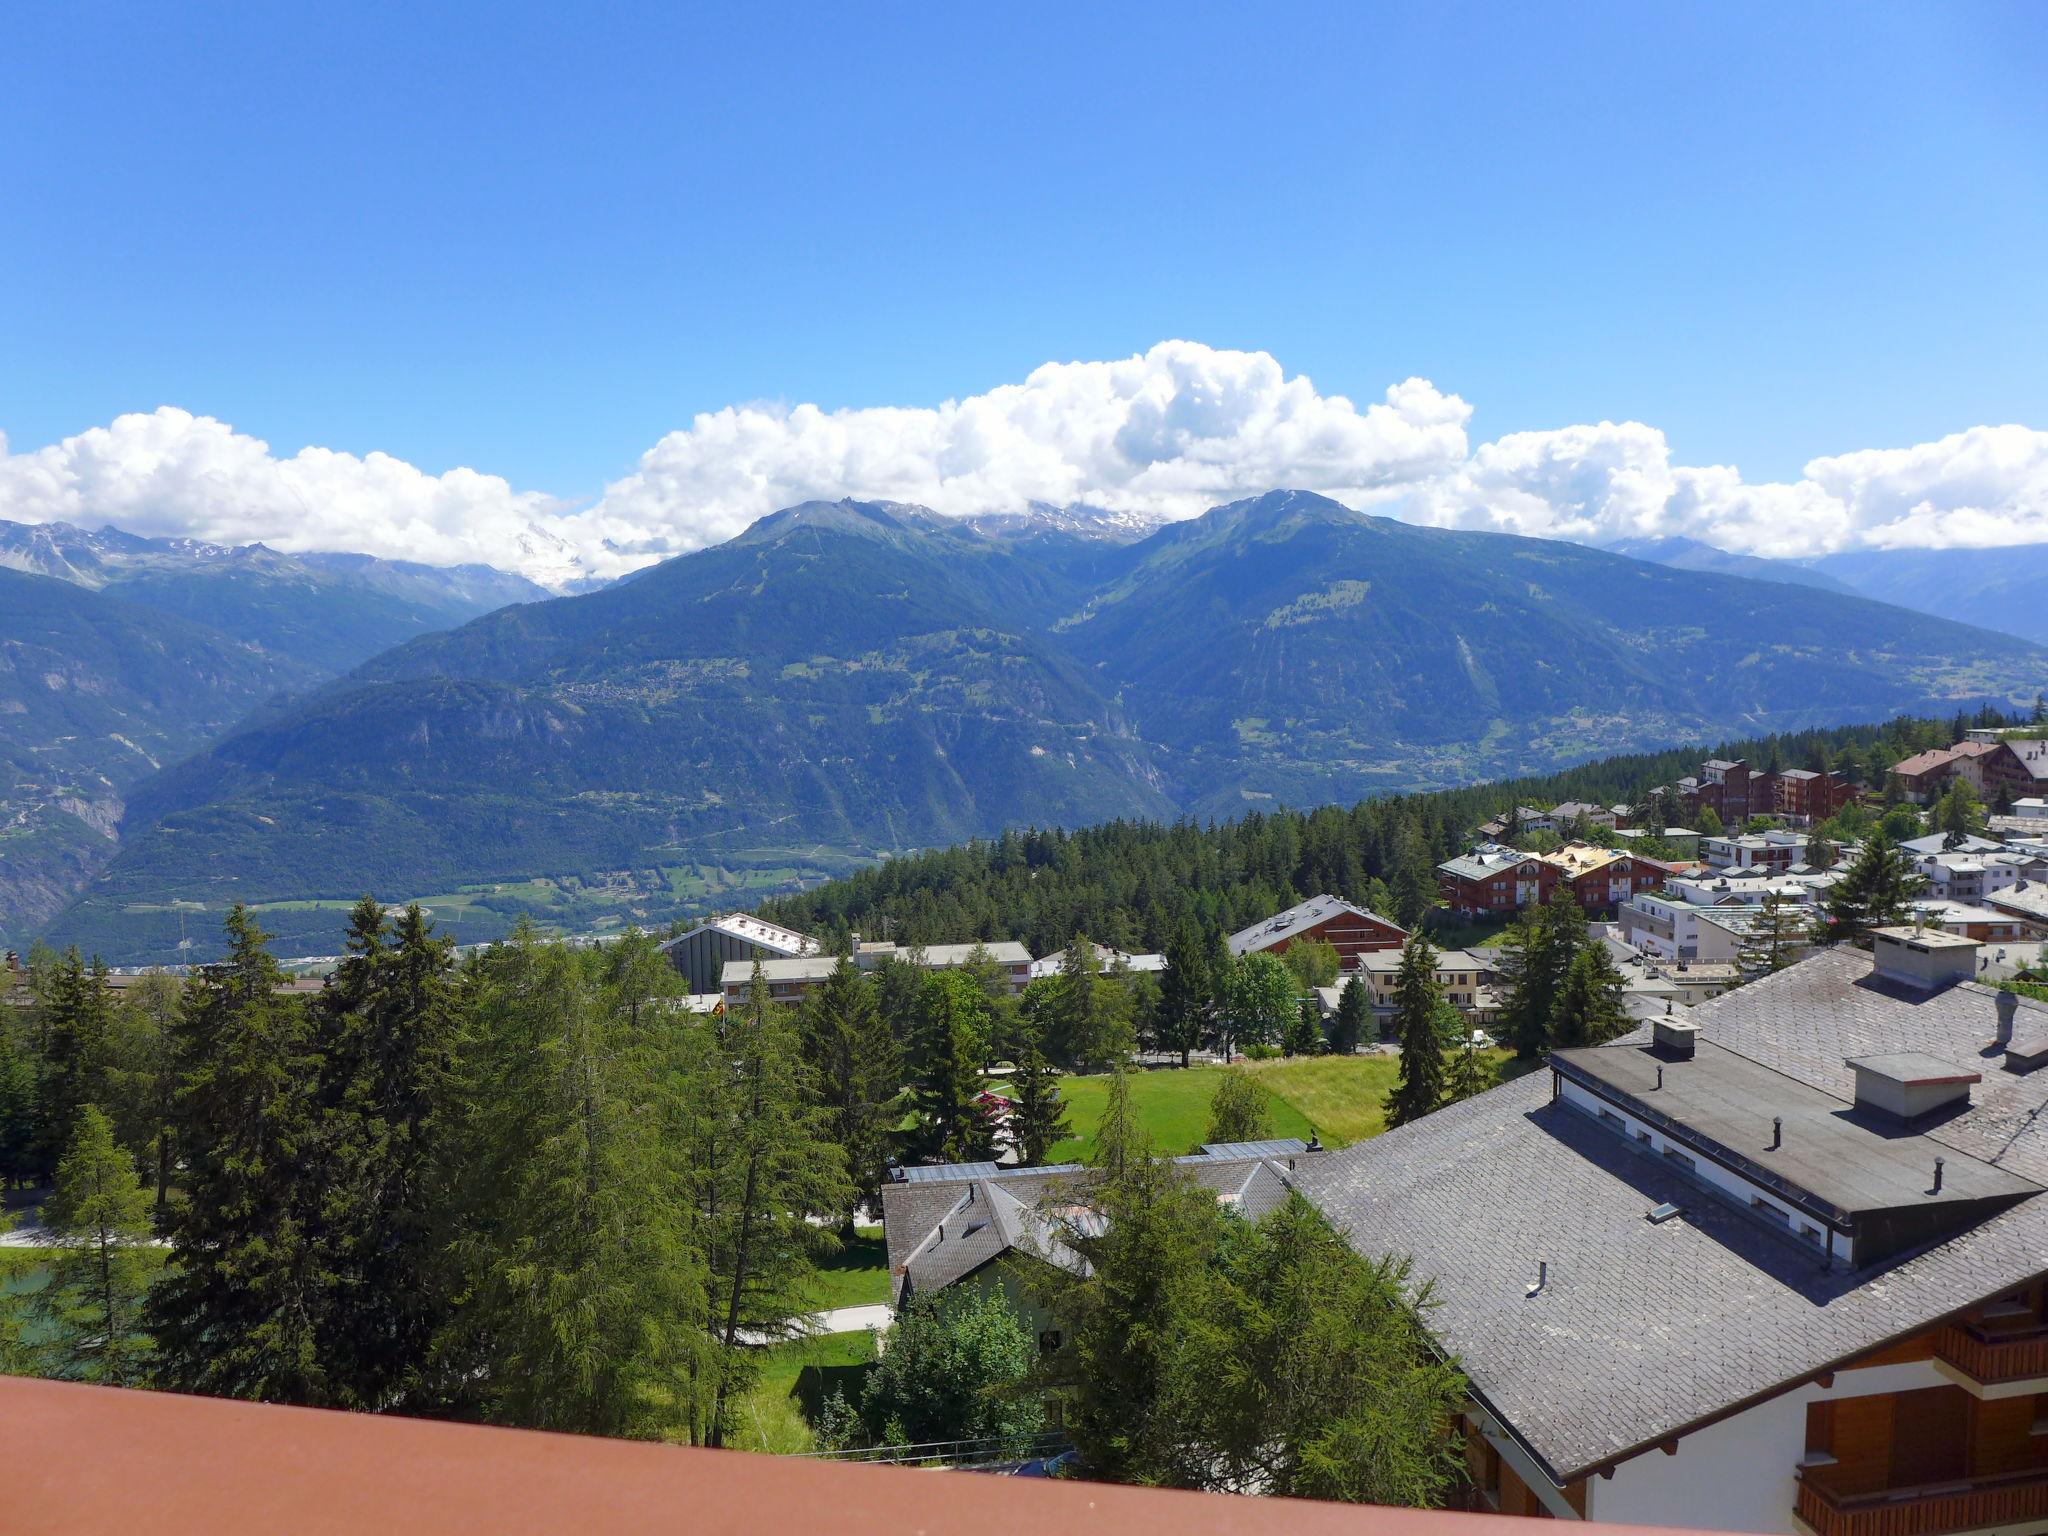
[
  {"x": 850, "y": 679},
  {"x": 120, "y": 655}
]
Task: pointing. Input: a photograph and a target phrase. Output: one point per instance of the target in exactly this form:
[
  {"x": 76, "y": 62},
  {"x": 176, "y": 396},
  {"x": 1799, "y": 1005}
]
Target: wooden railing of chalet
[
  {"x": 1988, "y": 1358},
  {"x": 1960, "y": 1505}
]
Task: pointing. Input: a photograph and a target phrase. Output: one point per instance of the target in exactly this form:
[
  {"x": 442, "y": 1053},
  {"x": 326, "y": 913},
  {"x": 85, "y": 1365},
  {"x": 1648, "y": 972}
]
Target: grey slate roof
[
  {"x": 1645, "y": 1329},
  {"x": 1317, "y": 909},
  {"x": 942, "y": 1224}
]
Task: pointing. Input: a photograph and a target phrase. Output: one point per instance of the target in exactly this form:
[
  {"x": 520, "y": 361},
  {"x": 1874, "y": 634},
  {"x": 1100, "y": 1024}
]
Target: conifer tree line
[
  {"x": 1135, "y": 885},
  {"x": 530, "y": 1188}
]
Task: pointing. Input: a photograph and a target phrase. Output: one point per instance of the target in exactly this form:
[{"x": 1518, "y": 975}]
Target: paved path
[{"x": 850, "y": 1319}]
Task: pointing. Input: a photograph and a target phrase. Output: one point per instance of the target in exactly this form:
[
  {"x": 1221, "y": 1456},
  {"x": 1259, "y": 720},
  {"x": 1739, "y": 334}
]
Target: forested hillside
[{"x": 1131, "y": 884}]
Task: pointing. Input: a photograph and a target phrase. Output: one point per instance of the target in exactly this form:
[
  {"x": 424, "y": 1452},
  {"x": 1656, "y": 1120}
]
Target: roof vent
[
  {"x": 1909, "y": 1084},
  {"x": 1924, "y": 959},
  {"x": 1675, "y": 1037},
  {"x": 1659, "y": 1214}
]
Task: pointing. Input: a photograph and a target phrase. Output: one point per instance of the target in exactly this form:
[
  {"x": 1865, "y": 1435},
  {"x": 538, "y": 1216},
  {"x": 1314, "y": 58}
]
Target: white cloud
[
  {"x": 1984, "y": 487},
  {"x": 1171, "y": 432},
  {"x": 1174, "y": 431}
]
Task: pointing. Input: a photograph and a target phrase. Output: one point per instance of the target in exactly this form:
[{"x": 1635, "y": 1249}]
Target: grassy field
[
  {"x": 1339, "y": 1097},
  {"x": 856, "y": 1276},
  {"x": 773, "y": 1415}
]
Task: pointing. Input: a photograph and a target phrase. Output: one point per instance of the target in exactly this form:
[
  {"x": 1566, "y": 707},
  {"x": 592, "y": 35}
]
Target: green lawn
[
  {"x": 795, "y": 1378},
  {"x": 856, "y": 1276},
  {"x": 1172, "y": 1106},
  {"x": 1339, "y": 1097}
]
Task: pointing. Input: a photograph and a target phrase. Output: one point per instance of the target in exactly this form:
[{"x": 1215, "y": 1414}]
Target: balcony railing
[
  {"x": 1993, "y": 1358},
  {"x": 1962, "y": 1505}
]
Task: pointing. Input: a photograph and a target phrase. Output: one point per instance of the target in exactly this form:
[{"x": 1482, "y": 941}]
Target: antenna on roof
[
  {"x": 1938, "y": 1164},
  {"x": 1777, "y": 1132},
  {"x": 1542, "y": 1277}
]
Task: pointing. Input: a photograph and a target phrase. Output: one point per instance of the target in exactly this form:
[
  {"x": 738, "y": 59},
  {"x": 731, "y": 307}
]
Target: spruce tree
[
  {"x": 1588, "y": 1009},
  {"x": 1038, "y": 1115},
  {"x": 1304, "y": 1034},
  {"x": 234, "y": 1316},
  {"x": 90, "y": 1309},
  {"x": 384, "y": 1029},
  {"x": 78, "y": 1023},
  {"x": 1536, "y": 953},
  {"x": 1467, "y": 1074},
  {"x": 19, "y": 1151},
  {"x": 858, "y": 1071},
  {"x": 1184, "y": 993},
  {"x": 1354, "y": 1015},
  {"x": 1419, "y": 1085},
  {"x": 1876, "y": 891},
  {"x": 952, "y": 1049}
]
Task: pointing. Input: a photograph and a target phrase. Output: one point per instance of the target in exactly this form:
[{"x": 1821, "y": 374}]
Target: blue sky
[{"x": 532, "y": 239}]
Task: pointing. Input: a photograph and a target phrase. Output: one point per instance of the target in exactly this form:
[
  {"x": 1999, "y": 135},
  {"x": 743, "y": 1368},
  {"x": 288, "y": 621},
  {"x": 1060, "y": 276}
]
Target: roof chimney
[
  {"x": 1924, "y": 959},
  {"x": 2008, "y": 1008},
  {"x": 1675, "y": 1038},
  {"x": 1909, "y": 1084}
]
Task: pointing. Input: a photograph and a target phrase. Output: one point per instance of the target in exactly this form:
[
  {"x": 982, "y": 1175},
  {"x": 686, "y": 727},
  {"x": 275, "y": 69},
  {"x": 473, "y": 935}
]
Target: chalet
[
  {"x": 702, "y": 954},
  {"x": 955, "y": 1223},
  {"x": 1492, "y": 879},
  {"x": 1923, "y": 776},
  {"x": 1601, "y": 878},
  {"x": 1778, "y": 1263},
  {"x": 788, "y": 981},
  {"x": 2026, "y": 902},
  {"x": 1328, "y": 919},
  {"x": 1465, "y": 977}
]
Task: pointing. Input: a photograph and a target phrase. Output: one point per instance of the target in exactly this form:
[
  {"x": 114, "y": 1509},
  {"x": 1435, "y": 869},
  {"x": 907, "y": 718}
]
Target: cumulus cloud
[
  {"x": 1170, "y": 433},
  {"x": 171, "y": 474},
  {"x": 1984, "y": 487}
]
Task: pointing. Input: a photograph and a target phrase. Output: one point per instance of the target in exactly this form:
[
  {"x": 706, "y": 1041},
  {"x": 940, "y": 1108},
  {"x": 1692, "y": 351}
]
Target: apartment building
[
  {"x": 1787, "y": 1270},
  {"x": 1754, "y": 850}
]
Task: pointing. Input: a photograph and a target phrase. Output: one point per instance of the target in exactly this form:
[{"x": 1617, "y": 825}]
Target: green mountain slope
[
  {"x": 95, "y": 695},
  {"x": 2004, "y": 588},
  {"x": 847, "y": 680},
  {"x": 1289, "y": 647},
  {"x": 840, "y": 681}
]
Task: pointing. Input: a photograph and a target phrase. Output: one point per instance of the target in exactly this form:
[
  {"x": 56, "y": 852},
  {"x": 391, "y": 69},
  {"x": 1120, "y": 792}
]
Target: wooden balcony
[
  {"x": 1962, "y": 1505},
  {"x": 1993, "y": 1358}
]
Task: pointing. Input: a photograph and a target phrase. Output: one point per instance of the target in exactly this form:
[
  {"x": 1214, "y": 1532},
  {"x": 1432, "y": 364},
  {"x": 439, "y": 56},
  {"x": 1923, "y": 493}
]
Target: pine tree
[
  {"x": 858, "y": 1071},
  {"x": 1780, "y": 932},
  {"x": 1588, "y": 1009},
  {"x": 1038, "y": 1115},
  {"x": 1185, "y": 1001},
  {"x": 1876, "y": 891},
  {"x": 1419, "y": 1086},
  {"x": 766, "y": 1164},
  {"x": 234, "y": 1316},
  {"x": 1354, "y": 1013},
  {"x": 1958, "y": 815},
  {"x": 1412, "y": 875},
  {"x": 91, "y": 1306}
]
